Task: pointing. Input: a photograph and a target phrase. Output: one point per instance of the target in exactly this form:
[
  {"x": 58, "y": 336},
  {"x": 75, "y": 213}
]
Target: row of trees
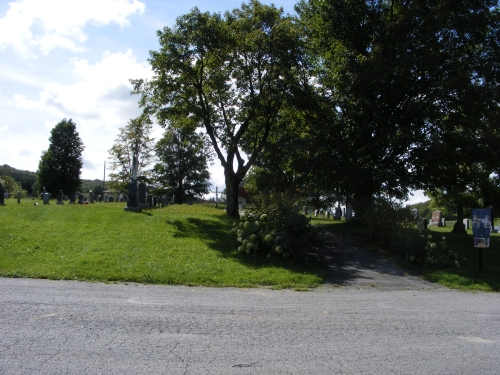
[
  {"x": 351, "y": 99},
  {"x": 180, "y": 169},
  {"x": 175, "y": 165}
]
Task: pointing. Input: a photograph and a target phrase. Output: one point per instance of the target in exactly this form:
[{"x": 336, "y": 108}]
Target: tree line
[{"x": 348, "y": 101}]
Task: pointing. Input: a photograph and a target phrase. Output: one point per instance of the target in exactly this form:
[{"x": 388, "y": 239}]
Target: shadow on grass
[
  {"x": 216, "y": 235},
  {"x": 468, "y": 276}
]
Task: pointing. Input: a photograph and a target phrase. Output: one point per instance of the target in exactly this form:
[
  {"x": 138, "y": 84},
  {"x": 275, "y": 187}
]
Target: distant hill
[{"x": 28, "y": 178}]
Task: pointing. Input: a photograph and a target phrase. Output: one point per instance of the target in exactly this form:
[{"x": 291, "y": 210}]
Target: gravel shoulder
[{"x": 353, "y": 265}]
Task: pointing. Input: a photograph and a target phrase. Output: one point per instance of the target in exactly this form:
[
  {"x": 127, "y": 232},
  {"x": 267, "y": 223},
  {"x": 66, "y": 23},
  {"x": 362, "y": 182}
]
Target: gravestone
[
  {"x": 338, "y": 213},
  {"x": 72, "y": 198},
  {"x": 316, "y": 212},
  {"x": 91, "y": 196},
  {"x": 80, "y": 198},
  {"x": 2, "y": 195},
  {"x": 133, "y": 201},
  {"x": 304, "y": 210},
  {"x": 150, "y": 201},
  {"x": 60, "y": 198},
  {"x": 466, "y": 224},
  {"x": 45, "y": 197},
  {"x": 422, "y": 223},
  {"x": 19, "y": 197},
  {"x": 348, "y": 213},
  {"x": 415, "y": 213},
  {"x": 443, "y": 222},
  {"x": 437, "y": 216},
  {"x": 6, "y": 194},
  {"x": 142, "y": 195}
]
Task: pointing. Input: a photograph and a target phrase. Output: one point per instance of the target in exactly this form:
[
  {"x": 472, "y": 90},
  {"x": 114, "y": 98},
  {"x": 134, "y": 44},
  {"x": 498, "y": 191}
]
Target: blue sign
[{"x": 481, "y": 227}]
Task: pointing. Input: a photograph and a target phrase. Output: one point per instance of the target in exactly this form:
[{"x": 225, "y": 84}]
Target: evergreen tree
[{"x": 60, "y": 166}]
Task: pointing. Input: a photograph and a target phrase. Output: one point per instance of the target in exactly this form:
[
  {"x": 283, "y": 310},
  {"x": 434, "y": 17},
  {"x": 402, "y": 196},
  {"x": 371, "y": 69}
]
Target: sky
[{"x": 73, "y": 59}]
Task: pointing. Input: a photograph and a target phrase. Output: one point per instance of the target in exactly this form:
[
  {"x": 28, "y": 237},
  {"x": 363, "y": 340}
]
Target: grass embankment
[
  {"x": 468, "y": 276},
  {"x": 180, "y": 244}
]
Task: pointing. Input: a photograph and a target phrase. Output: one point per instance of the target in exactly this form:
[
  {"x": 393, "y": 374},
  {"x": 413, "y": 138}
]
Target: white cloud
[
  {"x": 99, "y": 95},
  {"x": 98, "y": 100},
  {"x": 50, "y": 24}
]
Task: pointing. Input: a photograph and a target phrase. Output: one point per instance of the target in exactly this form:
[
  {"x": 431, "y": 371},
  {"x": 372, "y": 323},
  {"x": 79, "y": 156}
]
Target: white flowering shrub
[
  {"x": 434, "y": 254},
  {"x": 274, "y": 229}
]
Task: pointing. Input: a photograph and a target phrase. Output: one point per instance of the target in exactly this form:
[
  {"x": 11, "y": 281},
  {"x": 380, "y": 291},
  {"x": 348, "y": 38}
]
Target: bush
[
  {"x": 275, "y": 228},
  {"x": 388, "y": 222},
  {"x": 393, "y": 227},
  {"x": 12, "y": 186}
]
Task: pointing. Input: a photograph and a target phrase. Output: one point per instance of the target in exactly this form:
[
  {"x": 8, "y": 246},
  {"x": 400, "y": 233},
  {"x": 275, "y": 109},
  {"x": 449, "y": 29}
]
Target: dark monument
[
  {"x": 142, "y": 195},
  {"x": 133, "y": 192},
  {"x": 60, "y": 198},
  {"x": 2, "y": 195},
  {"x": 45, "y": 197}
]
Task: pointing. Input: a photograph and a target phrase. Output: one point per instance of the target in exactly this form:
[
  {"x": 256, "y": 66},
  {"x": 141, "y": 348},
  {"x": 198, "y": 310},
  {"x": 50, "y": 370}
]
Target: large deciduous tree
[
  {"x": 182, "y": 169},
  {"x": 414, "y": 88},
  {"x": 230, "y": 73},
  {"x": 60, "y": 166},
  {"x": 133, "y": 139}
]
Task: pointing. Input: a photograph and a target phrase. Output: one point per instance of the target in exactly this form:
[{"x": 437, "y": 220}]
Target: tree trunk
[
  {"x": 360, "y": 205},
  {"x": 232, "y": 183}
]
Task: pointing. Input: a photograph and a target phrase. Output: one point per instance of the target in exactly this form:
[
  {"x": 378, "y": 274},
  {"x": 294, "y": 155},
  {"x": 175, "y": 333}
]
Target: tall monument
[{"x": 133, "y": 201}]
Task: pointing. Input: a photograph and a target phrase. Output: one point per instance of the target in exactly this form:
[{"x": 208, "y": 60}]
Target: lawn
[
  {"x": 179, "y": 244},
  {"x": 468, "y": 276}
]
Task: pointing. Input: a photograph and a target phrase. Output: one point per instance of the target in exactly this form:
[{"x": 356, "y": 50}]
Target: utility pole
[{"x": 104, "y": 177}]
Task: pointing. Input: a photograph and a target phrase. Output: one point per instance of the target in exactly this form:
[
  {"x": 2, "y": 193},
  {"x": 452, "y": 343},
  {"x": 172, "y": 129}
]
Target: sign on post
[{"x": 481, "y": 227}]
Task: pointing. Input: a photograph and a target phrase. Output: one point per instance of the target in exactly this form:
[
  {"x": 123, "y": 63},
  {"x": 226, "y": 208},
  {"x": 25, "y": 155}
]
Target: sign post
[{"x": 481, "y": 229}]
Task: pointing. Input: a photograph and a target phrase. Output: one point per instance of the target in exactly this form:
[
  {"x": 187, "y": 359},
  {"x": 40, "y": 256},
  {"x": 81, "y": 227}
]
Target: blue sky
[{"x": 73, "y": 59}]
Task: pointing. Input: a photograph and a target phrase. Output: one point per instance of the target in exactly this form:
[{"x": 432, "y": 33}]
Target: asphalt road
[{"x": 67, "y": 327}]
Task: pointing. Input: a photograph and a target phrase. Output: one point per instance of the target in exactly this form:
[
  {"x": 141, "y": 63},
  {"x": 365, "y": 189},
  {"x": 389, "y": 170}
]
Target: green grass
[
  {"x": 468, "y": 276},
  {"x": 180, "y": 244}
]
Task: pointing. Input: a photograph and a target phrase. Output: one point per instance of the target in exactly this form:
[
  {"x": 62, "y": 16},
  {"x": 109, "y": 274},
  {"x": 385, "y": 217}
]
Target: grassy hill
[{"x": 179, "y": 244}]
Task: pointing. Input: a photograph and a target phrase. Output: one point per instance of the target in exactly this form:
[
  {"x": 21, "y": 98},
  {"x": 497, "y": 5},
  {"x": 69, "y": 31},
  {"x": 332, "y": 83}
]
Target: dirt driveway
[{"x": 353, "y": 265}]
